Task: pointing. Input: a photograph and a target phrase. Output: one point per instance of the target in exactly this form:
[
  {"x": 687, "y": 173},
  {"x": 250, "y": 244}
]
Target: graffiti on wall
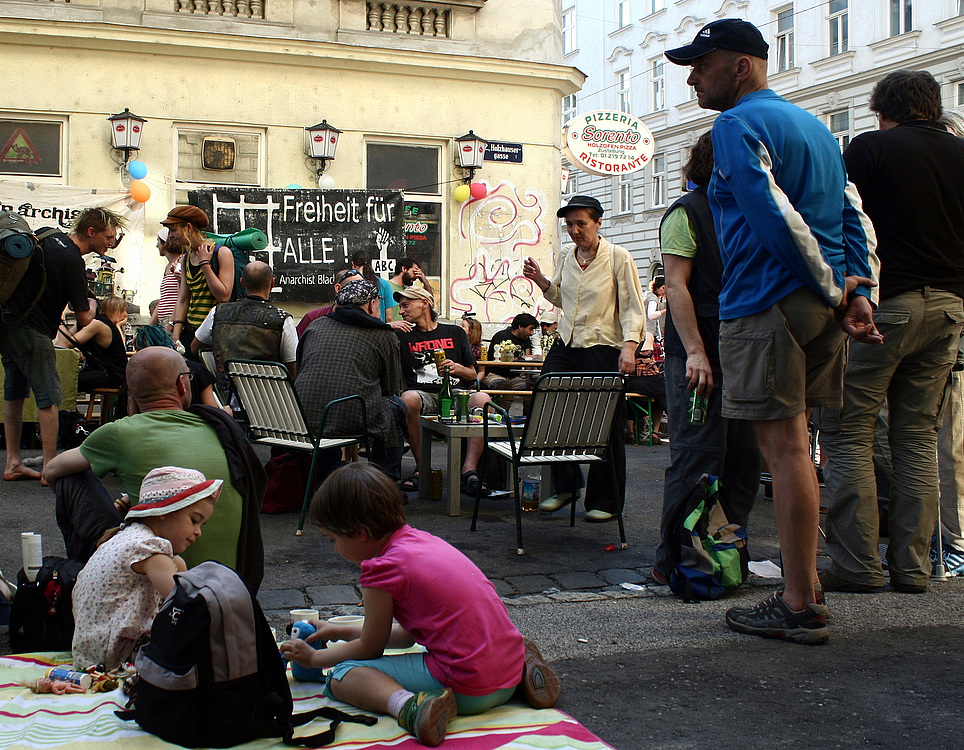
[{"x": 498, "y": 232}]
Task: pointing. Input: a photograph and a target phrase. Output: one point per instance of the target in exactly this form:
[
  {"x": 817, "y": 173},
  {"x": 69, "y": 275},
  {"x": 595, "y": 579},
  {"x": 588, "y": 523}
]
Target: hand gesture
[
  {"x": 382, "y": 241},
  {"x": 858, "y": 321}
]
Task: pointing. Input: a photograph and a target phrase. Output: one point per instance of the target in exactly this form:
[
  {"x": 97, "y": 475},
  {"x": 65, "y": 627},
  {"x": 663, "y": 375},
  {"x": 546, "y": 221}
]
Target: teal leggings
[{"x": 409, "y": 671}]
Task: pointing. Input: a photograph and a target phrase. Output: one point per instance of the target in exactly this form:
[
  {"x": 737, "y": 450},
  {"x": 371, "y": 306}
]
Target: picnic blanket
[{"x": 84, "y": 722}]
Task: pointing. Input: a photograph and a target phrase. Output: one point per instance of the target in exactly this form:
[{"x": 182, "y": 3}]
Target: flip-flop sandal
[
  {"x": 410, "y": 484},
  {"x": 471, "y": 482}
]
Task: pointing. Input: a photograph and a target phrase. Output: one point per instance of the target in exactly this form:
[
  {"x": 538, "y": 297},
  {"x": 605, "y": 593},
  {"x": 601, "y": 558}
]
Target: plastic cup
[{"x": 303, "y": 614}]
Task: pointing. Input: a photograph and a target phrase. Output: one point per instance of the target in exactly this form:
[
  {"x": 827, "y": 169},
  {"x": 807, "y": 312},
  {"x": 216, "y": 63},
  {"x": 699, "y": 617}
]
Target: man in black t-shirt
[
  {"x": 518, "y": 334},
  {"x": 424, "y": 381},
  {"x": 26, "y": 349}
]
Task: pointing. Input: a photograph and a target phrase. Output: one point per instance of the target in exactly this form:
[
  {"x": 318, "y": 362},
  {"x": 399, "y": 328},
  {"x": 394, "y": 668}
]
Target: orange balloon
[{"x": 140, "y": 191}]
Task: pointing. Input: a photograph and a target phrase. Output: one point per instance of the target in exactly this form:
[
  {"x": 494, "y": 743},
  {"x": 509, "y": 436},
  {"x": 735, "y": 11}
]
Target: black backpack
[
  {"x": 211, "y": 675},
  {"x": 20, "y": 257},
  {"x": 42, "y": 613}
]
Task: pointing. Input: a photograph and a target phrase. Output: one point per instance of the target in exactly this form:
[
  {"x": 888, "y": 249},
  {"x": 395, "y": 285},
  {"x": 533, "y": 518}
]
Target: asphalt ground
[{"x": 640, "y": 668}]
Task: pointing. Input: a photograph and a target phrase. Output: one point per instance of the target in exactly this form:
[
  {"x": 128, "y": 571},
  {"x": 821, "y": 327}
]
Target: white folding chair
[
  {"x": 569, "y": 421},
  {"x": 275, "y": 416}
]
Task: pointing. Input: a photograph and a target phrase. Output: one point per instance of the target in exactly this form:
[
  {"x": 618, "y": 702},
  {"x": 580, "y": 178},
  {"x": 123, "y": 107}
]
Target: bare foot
[{"x": 19, "y": 471}]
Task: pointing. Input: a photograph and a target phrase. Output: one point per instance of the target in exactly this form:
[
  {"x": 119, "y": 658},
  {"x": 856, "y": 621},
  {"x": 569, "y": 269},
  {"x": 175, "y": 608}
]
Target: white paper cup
[
  {"x": 303, "y": 614},
  {"x": 345, "y": 619}
]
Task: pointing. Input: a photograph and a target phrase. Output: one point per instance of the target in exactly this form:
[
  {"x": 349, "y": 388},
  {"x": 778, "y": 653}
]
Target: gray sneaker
[{"x": 772, "y": 618}]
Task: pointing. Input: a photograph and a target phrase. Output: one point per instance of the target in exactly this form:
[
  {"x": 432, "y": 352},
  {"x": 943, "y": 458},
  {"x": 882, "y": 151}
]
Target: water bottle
[{"x": 300, "y": 631}]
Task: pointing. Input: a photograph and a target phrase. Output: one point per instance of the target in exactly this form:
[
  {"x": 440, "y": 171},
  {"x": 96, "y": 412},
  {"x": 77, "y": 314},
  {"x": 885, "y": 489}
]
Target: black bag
[
  {"x": 18, "y": 245},
  {"x": 197, "y": 696},
  {"x": 42, "y": 613}
]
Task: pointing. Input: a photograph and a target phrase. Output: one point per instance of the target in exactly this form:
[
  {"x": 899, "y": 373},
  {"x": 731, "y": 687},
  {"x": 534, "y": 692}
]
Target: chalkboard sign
[{"x": 311, "y": 233}]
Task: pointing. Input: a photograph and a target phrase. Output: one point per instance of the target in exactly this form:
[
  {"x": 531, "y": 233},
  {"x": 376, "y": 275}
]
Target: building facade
[
  {"x": 824, "y": 56},
  {"x": 227, "y": 88}
]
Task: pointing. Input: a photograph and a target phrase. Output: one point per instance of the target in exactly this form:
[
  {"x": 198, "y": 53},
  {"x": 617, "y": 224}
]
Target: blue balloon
[
  {"x": 137, "y": 169},
  {"x": 294, "y": 186}
]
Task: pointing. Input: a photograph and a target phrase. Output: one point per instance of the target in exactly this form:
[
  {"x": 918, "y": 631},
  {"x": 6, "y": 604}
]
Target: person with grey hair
[
  {"x": 350, "y": 351},
  {"x": 908, "y": 174}
]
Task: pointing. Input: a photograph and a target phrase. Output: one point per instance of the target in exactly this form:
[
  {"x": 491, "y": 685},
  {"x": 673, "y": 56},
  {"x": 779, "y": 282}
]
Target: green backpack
[{"x": 713, "y": 556}]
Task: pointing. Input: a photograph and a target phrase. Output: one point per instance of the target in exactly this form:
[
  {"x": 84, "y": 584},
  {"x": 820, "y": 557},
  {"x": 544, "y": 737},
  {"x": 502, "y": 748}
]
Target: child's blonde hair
[{"x": 358, "y": 497}]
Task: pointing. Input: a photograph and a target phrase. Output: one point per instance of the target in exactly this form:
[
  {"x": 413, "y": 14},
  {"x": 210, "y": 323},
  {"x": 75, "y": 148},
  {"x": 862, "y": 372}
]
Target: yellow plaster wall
[{"x": 280, "y": 86}]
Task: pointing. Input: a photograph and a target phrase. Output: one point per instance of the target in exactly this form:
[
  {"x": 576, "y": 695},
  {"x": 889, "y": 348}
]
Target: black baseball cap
[
  {"x": 580, "y": 201},
  {"x": 729, "y": 33}
]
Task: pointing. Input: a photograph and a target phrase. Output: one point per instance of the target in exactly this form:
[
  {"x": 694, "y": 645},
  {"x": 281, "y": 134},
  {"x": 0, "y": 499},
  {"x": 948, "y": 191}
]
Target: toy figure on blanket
[
  {"x": 120, "y": 590},
  {"x": 429, "y": 588}
]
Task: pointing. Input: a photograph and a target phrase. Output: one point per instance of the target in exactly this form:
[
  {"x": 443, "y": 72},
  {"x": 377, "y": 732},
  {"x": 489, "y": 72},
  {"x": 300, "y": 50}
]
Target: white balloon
[{"x": 326, "y": 182}]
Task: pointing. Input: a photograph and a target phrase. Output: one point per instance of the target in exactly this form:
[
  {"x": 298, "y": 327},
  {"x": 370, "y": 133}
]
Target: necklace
[{"x": 585, "y": 260}]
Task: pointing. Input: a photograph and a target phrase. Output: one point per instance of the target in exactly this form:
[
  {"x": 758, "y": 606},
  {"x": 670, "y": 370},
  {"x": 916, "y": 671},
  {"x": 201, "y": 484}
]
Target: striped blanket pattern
[{"x": 85, "y": 722}]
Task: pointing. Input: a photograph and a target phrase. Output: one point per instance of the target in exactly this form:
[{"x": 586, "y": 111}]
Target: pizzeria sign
[{"x": 606, "y": 142}]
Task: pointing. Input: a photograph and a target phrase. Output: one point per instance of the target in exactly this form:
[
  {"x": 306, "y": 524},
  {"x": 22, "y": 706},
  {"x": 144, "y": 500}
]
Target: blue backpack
[{"x": 713, "y": 556}]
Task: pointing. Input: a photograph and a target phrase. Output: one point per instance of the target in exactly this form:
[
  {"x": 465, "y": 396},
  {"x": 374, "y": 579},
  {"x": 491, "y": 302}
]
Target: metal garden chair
[
  {"x": 569, "y": 421},
  {"x": 275, "y": 416}
]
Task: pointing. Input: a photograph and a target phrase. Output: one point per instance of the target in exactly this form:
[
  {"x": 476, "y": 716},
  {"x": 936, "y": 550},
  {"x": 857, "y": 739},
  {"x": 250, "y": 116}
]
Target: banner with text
[
  {"x": 311, "y": 233},
  {"x": 57, "y": 206}
]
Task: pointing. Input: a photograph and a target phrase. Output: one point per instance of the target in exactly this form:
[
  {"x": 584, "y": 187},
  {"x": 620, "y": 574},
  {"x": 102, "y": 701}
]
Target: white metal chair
[
  {"x": 275, "y": 416},
  {"x": 569, "y": 421}
]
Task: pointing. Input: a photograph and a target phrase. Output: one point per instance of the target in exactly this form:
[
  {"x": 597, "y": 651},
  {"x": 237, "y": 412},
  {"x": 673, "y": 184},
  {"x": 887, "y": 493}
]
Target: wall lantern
[
  {"x": 469, "y": 151},
  {"x": 321, "y": 143},
  {"x": 125, "y": 132}
]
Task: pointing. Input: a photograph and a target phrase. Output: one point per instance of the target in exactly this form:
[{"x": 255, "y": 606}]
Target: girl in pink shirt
[{"x": 474, "y": 657}]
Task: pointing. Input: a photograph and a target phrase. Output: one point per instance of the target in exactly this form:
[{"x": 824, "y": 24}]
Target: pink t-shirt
[{"x": 451, "y": 608}]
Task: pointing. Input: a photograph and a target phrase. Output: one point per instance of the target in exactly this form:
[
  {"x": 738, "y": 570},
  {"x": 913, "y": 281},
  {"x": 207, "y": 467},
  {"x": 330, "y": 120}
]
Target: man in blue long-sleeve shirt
[{"x": 795, "y": 245}]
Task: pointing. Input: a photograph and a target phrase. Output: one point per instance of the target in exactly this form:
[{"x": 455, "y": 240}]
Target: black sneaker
[{"x": 772, "y": 618}]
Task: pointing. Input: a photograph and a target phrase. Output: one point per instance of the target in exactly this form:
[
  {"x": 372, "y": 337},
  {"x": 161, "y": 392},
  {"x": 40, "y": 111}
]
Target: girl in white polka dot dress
[{"x": 120, "y": 590}]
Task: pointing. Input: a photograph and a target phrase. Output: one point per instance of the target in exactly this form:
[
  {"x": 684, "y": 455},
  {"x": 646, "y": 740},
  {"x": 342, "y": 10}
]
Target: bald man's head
[
  {"x": 153, "y": 374},
  {"x": 257, "y": 278}
]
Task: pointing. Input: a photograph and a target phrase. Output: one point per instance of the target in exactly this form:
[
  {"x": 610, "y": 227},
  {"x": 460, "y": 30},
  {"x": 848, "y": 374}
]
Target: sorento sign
[{"x": 608, "y": 143}]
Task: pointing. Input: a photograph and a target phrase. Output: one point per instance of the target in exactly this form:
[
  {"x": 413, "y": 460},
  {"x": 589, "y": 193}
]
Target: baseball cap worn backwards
[
  {"x": 731, "y": 34},
  {"x": 414, "y": 292}
]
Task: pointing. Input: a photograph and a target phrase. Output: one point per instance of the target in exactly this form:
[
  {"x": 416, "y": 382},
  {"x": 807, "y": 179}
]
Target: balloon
[
  {"x": 326, "y": 182},
  {"x": 293, "y": 186},
  {"x": 462, "y": 193},
  {"x": 478, "y": 190},
  {"x": 137, "y": 170},
  {"x": 140, "y": 191}
]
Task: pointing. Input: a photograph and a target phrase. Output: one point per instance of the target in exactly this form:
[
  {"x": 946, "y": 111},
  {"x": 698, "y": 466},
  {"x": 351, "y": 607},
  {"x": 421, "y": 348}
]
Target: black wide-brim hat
[{"x": 580, "y": 201}]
